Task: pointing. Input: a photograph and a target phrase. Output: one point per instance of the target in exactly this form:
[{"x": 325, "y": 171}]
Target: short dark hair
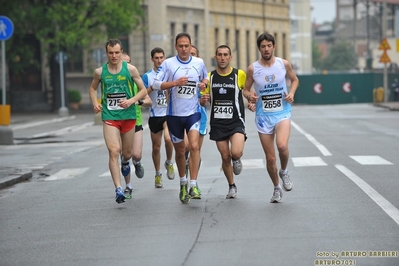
[
  {"x": 112, "y": 43},
  {"x": 183, "y": 34},
  {"x": 222, "y": 46},
  {"x": 157, "y": 50},
  {"x": 265, "y": 37},
  {"x": 195, "y": 47}
]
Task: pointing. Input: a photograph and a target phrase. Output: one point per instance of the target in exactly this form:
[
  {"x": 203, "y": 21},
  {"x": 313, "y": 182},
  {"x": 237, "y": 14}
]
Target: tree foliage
[
  {"x": 60, "y": 25},
  {"x": 316, "y": 56},
  {"x": 342, "y": 56}
]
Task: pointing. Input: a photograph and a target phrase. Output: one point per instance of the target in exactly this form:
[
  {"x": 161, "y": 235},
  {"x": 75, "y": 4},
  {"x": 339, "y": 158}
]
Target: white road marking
[
  {"x": 108, "y": 173},
  {"x": 39, "y": 123},
  {"x": 318, "y": 145},
  {"x": 307, "y": 161},
  {"x": 63, "y": 131},
  {"x": 388, "y": 208},
  {"x": 67, "y": 174},
  {"x": 253, "y": 163},
  {"x": 371, "y": 160}
]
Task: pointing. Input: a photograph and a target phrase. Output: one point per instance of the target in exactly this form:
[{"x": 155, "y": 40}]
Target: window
[
  {"x": 172, "y": 39},
  {"x": 74, "y": 61},
  {"x": 196, "y": 34},
  {"x": 216, "y": 37}
]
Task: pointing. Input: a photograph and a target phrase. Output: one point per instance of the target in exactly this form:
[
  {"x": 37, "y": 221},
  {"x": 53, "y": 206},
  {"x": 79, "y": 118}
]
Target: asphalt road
[{"x": 343, "y": 208}]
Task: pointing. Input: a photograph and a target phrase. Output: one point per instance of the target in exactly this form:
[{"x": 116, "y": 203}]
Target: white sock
[
  {"x": 193, "y": 183},
  {"x": 277, "y": 186},
  {"x": 158, "y": 173},
  {"x": 285, "y": 171},
  {"x": 183, "y": 180},
  {"x": 129, "y": 185}
]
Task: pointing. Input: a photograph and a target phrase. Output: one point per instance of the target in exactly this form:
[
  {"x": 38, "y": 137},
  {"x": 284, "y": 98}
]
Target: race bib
[
  {"x": 187, "y": 91},
  {"x": 223, "y": 109},
  {"x": 272, "y": 103},
  {"x": 161, "y": 101},
  {"x": 113, "y": 100}
]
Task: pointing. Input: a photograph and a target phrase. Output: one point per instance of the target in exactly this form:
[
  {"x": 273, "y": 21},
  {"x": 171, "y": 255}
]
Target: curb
[{"x": 13, "y": 179}]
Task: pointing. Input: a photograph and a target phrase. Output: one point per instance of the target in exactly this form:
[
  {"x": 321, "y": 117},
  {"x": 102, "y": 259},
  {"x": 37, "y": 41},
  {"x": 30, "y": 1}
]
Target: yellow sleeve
[
  {"x": 241, "y": 79},
  {"x": 207, "y": 90}
]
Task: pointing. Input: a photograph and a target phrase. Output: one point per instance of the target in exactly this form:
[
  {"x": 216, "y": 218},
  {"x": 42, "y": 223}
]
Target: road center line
[
  {"x": 388, "y": 208},
  {"x": 318, "y": 145}
]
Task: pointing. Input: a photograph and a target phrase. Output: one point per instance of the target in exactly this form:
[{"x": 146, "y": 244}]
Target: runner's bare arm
[{"x": 93, "y": 90}]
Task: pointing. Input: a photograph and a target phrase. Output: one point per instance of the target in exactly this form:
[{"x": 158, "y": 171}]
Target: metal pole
[
  {"x": 384, "y": 35},
  {"x": 60, "y": 54},
  {"x": 3, "y": 70}
]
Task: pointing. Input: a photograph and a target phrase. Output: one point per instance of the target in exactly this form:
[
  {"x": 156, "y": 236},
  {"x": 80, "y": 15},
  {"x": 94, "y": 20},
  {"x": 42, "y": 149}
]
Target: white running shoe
[
  {"x": 237, "y": 166},
  {"x": 170, "y": 171},
  {"x": 287, "y": 184},
  {"x": 277, "y": 195},
  {"x": 232, "y": 193}
]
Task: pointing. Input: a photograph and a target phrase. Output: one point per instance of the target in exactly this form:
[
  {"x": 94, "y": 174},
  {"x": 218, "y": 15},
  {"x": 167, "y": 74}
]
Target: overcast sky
[{"x": 323, "y": 10}]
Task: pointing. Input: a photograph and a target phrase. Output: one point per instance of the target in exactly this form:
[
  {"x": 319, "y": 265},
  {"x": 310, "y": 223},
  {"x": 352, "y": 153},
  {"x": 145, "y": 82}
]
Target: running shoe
[
  {"x": 125, "y": 168},
  {"x": 158, "y": 181},
  {"x": 237, "y": 166},
  {"x": 195, "y": 192},
  {"x": 183, "y": 194},
  {"x": 119, "y": 198},
  {"x": 287, "y": 184},
  {"x": 128, "y": 193},
  {"x": 139, "y": 170},
  {"x": 170, "y": 170},
  {"x": 232, "y": 193},
  {"x": 277, "y": 195}
]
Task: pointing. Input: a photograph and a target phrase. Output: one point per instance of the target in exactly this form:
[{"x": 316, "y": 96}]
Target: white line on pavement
[
  {"x": 391, "y": 210},
  {"x": 39, "y": 123},
  {"x": 318, "y": 145}
]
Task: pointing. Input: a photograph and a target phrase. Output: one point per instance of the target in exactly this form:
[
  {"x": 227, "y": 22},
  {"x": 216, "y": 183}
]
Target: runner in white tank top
[{"x": 272, "y": 103}]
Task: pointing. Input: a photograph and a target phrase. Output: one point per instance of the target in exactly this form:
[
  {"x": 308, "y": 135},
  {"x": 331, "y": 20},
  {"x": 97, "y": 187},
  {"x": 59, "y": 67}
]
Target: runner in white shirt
[
  {"x": 183, "y": 75},
  {"x": 157, "y": 120}
]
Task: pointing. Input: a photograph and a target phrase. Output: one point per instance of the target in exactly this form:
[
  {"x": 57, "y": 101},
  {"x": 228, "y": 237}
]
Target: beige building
[
  {"x": 210, "y": 23},
  {"x": 236, "y": 23}
]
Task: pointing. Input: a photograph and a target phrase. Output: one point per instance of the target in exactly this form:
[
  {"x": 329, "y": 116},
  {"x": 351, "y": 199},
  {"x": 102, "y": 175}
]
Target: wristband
[{"x": 140, "y": 102}]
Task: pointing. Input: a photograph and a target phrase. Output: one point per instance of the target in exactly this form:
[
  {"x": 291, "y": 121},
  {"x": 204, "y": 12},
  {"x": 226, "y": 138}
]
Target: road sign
[
  {"x": 385, "y": 58},
  {"x": 346, "y": 87},
  {"x": 317, "y": 88},
  {"x": 384, "y": 45},
  {"x": 64, "y": 57},
  {"x": 6, "y": 28}
]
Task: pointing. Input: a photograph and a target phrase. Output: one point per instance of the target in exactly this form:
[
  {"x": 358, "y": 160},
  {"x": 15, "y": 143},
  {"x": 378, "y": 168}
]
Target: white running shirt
[
  {"x": 159, "y": 103},
  {"x": 183, "y": 100}
]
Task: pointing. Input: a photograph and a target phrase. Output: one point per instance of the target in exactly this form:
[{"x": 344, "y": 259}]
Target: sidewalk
[{"x": 392, "y": 106}]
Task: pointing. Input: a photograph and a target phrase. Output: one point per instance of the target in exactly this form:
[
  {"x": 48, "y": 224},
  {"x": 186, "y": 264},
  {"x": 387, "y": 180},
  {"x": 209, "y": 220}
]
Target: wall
[{"x": 333, "y": 91}]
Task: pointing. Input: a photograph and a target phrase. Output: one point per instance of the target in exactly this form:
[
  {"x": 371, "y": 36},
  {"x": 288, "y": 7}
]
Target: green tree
[
  {"x": 342, "y": 56},
  {"x": 63, "y": 25},
  {"x": 316, "y": 56}
]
